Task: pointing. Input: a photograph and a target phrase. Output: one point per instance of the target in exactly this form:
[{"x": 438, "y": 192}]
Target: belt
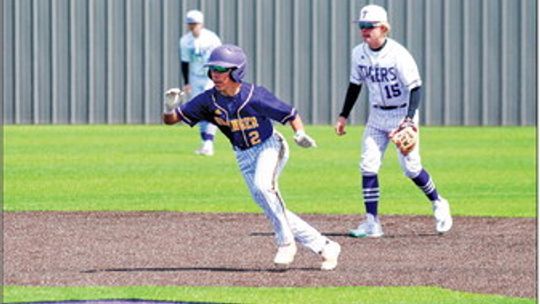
[{"x": 389, "y": 107}]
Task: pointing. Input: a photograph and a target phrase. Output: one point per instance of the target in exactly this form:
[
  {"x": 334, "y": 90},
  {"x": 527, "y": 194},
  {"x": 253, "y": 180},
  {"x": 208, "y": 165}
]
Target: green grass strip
[
  {"x": 402, "y": 295},
  {"x": 482, "y": 171}
]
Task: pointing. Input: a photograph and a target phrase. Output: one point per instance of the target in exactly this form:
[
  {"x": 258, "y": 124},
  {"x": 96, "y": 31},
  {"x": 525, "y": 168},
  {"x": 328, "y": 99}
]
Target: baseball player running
[
  {"x": 244, "y": 113},
  {"x": 195, "y": 48},
  {"x": 391, "y": 76}
]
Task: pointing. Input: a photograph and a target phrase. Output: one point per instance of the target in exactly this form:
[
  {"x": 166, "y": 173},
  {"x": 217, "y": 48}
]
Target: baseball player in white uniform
[
  {"x": 394, "y": 85},
  {"x": 195, "y": 49}
]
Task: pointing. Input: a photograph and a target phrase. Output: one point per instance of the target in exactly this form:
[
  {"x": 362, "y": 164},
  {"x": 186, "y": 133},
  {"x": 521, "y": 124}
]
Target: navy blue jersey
[{"x": 246, "y": 118}]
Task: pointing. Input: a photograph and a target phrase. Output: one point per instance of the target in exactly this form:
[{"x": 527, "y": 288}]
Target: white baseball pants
[
  {"x": 375, "y": 141},
  {"x": 261, "y": 166}
]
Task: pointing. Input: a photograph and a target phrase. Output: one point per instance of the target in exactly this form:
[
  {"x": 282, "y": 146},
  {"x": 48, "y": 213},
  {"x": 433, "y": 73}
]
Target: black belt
[{"x": 389, "y": 107}]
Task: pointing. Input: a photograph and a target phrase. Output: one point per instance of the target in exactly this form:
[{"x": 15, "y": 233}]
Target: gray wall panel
[
  {"x": 303, "y": 50},
  {"x": 359, "y": 113},
  {"x": 97, "y": 65},
  {"x": 285, "y": 49},
  {"x": 528, "y": 69},
  {"x": 24, "y": 110},
  {"x": 248, "y": 39},
  {"x": 228, "y": 25},
  {"x": 8, "y": 94},
  {"x": 211, "y": 9},
  {"x": 398, "y": 18},
  {"x": 79, "y": 49},
  {"x": 339, "y": 63},
  {"x": 99, "y": 61},
  {"x": 435, "y": 73},
  {"x": 42, "y": 93},
  {"x": 492, "y": 63},
  {"x": 117, "y": 90},
  {"x": 153, "y": 64},
  {"x": 321, "y": 62},
  {"x": 472, "y": 61},
  {"x": 510, "y": 64},
  {"x": 173, "y": 28},
  {"x": 135, "y": 76},
  {"x": 453, "y": 69},
  {"x": 60, "y": 49}
]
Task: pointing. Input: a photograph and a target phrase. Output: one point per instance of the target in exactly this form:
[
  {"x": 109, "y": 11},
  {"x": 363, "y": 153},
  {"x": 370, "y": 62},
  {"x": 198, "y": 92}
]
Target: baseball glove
[{"x": 405, "y": 136}]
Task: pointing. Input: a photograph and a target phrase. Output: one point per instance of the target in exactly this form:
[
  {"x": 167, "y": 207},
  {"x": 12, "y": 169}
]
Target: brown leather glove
[{"x": 405, "y": 136}]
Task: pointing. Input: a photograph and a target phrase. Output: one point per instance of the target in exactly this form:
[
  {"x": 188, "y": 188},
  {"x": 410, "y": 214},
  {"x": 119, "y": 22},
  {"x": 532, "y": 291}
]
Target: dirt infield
[{"x": 481, "y": 255}]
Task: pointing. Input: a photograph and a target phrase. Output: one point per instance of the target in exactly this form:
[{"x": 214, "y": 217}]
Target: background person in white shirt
[{"x": 195, "y": 49}]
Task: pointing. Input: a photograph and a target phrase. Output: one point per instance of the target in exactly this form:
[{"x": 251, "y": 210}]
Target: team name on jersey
[
  {"x": 242, "y": 124},
  {"x": 377, "y": 74}
]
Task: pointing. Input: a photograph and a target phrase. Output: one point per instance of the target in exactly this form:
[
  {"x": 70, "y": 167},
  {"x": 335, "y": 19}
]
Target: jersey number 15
[{"x": 392, "y": 90}]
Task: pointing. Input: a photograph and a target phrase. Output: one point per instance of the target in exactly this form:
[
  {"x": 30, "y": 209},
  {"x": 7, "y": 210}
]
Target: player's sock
[
  {"x": 426, "y": 184},
  {"x": 207, "y": 136},
  {"x": 370, "y": 186}
]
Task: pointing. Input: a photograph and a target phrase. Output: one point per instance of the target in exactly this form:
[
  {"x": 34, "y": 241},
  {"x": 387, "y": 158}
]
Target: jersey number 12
[{"x": 254, "y": 138}]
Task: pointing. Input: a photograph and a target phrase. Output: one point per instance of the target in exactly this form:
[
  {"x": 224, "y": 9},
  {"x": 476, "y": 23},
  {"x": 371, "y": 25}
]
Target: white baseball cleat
[
  {"x": 207, "y": 149},
  {"x": 285, "y": 255},
  {"x": 371, "y": 227},
  {"x": 443, "y": 219},
  {"x": 330, "y": 254}
]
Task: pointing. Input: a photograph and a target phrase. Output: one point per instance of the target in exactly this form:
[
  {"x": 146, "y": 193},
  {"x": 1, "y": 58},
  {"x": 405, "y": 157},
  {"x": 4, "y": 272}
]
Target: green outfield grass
[
  {"x": 327, "y": 295},
  {"x": 482, "y": 171}
]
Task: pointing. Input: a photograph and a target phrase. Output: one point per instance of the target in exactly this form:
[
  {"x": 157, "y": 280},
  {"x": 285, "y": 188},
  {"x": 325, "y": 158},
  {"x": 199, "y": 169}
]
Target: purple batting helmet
[{"x": 229, "y": 56}]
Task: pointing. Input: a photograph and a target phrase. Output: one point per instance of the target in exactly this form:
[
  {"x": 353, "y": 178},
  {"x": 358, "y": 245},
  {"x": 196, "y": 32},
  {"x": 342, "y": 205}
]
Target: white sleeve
[
  {"x": 217, "y": 41},
  {"x": 355, "y": 73},
  {"x": 184, "y": 51},
  {"x": 408, "y": 71}
]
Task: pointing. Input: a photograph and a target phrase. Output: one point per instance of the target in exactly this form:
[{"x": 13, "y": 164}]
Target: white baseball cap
[
  {"x": 194, "y": 16},
  {"x": 373, "y": 13}
]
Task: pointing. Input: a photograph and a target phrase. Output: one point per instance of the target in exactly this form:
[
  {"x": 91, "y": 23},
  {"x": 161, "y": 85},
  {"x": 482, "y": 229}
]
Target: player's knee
[
  {"x": 369, "y": 167},
  {"x": 412, "y": 171},
  {"x": 262, "y": 185},
  {"x": 411, "y": 165}
]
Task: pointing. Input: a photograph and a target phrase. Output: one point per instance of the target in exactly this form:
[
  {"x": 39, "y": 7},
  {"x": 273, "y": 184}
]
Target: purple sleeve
[
  {"x": 271, "y": 106},
  {"x": 193, "y": 111}
]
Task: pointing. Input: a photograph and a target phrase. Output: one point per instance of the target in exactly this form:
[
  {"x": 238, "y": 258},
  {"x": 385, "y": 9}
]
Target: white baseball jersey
[
  {"x": 197, "y": 50},
  {"x": 390, "y": 74}
]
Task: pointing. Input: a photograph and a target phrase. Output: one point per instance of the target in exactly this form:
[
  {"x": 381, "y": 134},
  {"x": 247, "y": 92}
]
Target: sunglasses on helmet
[
  {"x": 219, "y": 69},
  {"x": 366, "y": 25}
]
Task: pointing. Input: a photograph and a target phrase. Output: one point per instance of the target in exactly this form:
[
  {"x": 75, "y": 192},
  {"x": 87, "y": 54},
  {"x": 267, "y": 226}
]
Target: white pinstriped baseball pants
[
  {"x": 261, "y": 166},
  {"x": 375, "y": 141}
]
